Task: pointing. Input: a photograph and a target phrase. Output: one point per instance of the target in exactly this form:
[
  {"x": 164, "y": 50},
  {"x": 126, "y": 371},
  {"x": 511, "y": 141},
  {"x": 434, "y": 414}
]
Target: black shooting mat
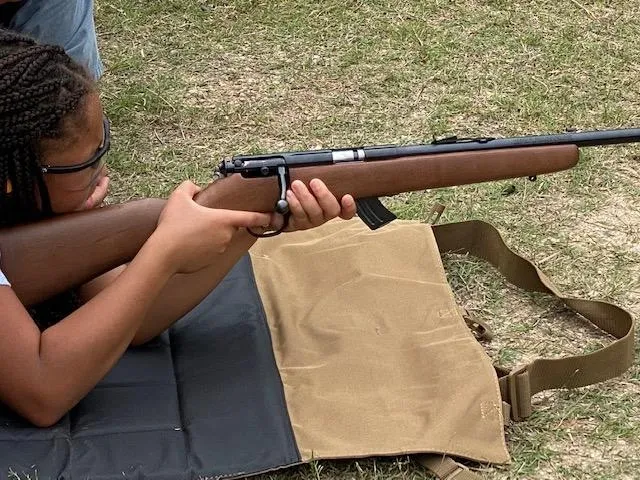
[{"x": 203, "y": 400}]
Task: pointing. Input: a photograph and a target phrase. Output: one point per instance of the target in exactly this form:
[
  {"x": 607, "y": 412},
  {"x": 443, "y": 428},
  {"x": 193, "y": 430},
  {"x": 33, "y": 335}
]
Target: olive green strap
[
  {"x": 482, "y": 240},
  {"x": 445, "y": 468}
]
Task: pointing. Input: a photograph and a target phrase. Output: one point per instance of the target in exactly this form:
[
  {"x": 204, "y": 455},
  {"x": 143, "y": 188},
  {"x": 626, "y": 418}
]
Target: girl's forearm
[
  {"x": 76, "y": 353},
  {"x": 184, "y": 291}
]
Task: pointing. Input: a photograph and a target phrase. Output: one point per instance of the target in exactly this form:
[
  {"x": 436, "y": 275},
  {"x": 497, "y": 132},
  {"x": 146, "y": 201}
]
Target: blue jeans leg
[{"x": 67, "y": 23}]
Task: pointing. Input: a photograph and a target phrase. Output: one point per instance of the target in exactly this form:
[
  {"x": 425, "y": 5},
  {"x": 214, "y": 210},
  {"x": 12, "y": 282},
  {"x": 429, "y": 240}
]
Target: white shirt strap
[{"x": 3, "y": 279}]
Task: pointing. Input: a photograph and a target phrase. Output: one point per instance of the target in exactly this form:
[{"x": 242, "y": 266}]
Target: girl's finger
[
  {"x": 312, "y": 208},
  {"x": 98, "y": 195},
  {"x": 327, "y": 201},
  {"x": 188, "y": 188},
  {"x": 238, "y": 218},
  {"x": 348, "y": 207},
  {"x": 298, "y": 218}
]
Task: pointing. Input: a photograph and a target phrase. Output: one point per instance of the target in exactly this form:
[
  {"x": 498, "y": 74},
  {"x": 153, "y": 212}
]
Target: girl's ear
[{"x": 9, "y": 188}]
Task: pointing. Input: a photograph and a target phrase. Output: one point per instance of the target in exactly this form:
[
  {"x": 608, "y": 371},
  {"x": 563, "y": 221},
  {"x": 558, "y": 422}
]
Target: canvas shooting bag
[
  {"x": 376, "y": 357},
  {"x": 336, "y": 342}
]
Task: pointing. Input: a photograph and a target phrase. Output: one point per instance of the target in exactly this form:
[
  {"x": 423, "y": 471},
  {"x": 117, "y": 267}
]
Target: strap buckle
[
  {"x": 515, "y": 388},
  {"x": 445, "y": 468},
  {"x": 459, "y": 470}
]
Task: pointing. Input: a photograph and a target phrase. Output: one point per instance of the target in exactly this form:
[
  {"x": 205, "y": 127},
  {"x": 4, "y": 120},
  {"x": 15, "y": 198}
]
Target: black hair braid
[{"x": 39, "y": 86}]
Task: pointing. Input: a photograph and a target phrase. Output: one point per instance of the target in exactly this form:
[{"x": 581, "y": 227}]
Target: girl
[{"x": 53, "y": 141}]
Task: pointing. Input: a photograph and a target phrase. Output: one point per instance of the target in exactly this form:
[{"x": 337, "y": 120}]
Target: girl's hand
[
  {"x": 98, "y": 195},
  {"x": 191, "y": 236},
  {"x": 311, "y": 207}
]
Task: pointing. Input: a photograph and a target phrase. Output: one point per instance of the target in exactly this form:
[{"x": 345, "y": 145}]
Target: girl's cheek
[
  {"x": 68, "y": 194},
  {"x": 65, "y": 202}
]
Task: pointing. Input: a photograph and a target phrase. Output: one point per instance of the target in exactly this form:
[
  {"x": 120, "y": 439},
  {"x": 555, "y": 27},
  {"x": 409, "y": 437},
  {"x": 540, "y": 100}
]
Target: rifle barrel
[{"x": 580, "y": 139}]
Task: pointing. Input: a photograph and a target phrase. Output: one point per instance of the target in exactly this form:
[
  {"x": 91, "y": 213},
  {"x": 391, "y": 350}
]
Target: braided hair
[{"x": 40, "y": 86}]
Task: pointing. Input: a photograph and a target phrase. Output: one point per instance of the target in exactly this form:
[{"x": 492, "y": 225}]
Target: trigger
[{"x": 372, "y": 212}]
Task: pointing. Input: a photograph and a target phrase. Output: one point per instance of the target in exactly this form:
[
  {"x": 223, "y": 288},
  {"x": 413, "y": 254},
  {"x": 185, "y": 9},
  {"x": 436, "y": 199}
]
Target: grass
[{"x": 191, "y": 82}]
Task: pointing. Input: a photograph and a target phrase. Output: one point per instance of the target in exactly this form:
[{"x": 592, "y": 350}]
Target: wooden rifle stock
[
  {"x": 390, "y": 177},
  {"x": 48, "y": 257}
]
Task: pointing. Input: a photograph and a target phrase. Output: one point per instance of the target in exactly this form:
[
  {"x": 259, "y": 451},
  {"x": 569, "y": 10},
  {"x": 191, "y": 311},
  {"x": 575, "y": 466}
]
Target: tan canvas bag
[{"x": 376, "y": 358}]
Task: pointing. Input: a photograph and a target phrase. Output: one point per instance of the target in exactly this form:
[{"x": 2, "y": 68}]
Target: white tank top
[{"x": 3, "y": 279}]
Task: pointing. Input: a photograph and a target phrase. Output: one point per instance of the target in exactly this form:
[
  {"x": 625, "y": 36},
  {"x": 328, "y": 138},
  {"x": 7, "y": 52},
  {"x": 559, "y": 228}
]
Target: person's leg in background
[{"x": 67, "y": 23}]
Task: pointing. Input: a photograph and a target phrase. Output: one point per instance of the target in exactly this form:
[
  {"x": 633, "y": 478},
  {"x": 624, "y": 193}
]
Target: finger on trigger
[{"x": 249, "y": 219}]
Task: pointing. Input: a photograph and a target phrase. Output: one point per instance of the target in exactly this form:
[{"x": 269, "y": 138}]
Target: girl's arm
[
  {"x": 181, "y": 293},
  {"x": 310, "y": 207},
  {"x": 78, "y": 247},
  {"x": 43, "y": 375}
]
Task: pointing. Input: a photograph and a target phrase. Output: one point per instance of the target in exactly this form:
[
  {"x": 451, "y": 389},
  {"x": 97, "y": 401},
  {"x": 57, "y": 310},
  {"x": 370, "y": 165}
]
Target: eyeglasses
[{"x": 95, "y": 159}]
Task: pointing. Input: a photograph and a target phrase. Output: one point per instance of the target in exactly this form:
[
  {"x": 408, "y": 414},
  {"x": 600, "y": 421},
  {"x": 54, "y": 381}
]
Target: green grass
[{"x": 191, "y": 82}]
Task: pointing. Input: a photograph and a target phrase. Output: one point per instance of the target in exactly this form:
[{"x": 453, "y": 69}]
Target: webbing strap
[
  {"x": 482, "y": 240},
  {"x": 445, "y": 468}
]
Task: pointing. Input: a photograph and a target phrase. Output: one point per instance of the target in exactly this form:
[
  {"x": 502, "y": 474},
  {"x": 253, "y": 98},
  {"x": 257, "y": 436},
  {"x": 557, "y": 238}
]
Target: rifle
[
  {"x": 371, "y": 172},
  {"x": 79, "y": 246}
]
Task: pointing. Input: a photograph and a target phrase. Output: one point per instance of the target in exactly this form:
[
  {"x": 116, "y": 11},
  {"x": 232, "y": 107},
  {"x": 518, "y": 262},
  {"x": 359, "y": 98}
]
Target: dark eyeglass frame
[{"x": 95, "y": 158}]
